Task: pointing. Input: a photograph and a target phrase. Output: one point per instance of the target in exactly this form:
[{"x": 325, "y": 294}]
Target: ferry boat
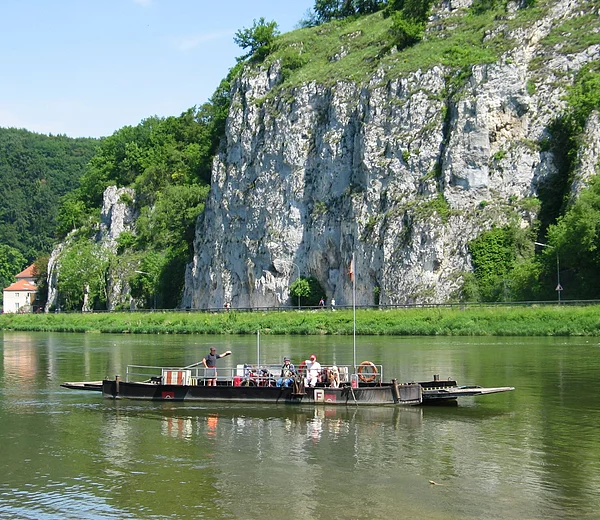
[{"x": 361, "y": 384}]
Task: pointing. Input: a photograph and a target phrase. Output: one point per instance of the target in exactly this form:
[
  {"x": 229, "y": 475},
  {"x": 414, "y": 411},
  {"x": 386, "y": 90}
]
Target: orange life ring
[{"x": 364, "y": 378}]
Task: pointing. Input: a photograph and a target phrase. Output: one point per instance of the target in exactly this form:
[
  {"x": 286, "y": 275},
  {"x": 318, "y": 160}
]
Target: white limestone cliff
[
  {"x": 309, "y": 176},
  {"x": 118, "y": 214}
]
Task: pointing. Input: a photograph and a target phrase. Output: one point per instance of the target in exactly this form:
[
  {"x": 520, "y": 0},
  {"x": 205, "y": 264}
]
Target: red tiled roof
[
  {"x": 27, "y": 273},
  {"x": 22, "y": 285}
]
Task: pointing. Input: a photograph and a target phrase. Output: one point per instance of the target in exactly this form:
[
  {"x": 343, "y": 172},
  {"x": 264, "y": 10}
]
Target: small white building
[{"x": 20, "y": 296}]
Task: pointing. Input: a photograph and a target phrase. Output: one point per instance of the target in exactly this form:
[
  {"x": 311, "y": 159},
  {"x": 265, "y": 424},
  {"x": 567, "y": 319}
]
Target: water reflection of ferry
[{"x": 179, "y": 421}]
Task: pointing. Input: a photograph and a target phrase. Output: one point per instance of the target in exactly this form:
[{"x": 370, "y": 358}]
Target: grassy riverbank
[{"x": 478, "y": 321}]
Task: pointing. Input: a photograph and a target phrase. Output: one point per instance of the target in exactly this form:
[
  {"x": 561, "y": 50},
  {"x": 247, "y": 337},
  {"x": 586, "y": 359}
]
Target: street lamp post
[
  {"x": 154, "y": 288},
  {"x": 558, "y": 286}
]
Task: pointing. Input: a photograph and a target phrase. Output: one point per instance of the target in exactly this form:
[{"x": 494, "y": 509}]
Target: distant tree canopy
[
  {"x": 35, "y": 171},
  {"x": 257, "y": 39},
  {"x": 12, "y": 262},
  {"x": 325, "y": 11},
  {"x": 328, "y": 10}
]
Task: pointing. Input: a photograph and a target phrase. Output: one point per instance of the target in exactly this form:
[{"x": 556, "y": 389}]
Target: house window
[{"x": 16, "y": 295}]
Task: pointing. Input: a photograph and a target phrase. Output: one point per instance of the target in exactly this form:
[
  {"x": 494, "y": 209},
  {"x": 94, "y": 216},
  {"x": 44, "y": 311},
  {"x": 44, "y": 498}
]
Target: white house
[{"x": 20, "y": 296}]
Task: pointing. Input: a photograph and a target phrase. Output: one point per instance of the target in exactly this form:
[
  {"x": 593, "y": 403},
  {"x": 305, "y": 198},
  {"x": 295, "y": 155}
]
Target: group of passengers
[
  {"x": 288, "y": 371},
  {"x": 314, "y": 372}
]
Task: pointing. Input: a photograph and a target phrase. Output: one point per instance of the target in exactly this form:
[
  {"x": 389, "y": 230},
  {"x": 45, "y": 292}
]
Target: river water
[{"x": 529, "y": 454}]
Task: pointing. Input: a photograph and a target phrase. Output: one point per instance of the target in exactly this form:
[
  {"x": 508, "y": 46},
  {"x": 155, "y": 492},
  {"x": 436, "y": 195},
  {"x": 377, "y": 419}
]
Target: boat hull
[
  {"x": 377, "y": 394},
  {"x": 384, "y": 394}
]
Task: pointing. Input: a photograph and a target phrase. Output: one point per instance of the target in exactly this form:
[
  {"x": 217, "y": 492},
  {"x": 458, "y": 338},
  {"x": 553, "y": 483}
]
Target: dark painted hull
[
  {"x": 429, "y": 392},
  {"x": 384, "y": 394}
]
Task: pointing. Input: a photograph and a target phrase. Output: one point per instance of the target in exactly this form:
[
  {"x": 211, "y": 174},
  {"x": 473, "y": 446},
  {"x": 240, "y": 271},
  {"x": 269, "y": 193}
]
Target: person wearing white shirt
[{"x": 313, "y": 371}]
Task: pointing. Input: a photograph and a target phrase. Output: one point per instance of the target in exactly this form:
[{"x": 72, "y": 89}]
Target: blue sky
[{"x": 86, "y": 68}]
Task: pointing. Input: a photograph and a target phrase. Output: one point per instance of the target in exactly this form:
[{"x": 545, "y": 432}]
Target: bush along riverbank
[{"x": 480, "y": 321}]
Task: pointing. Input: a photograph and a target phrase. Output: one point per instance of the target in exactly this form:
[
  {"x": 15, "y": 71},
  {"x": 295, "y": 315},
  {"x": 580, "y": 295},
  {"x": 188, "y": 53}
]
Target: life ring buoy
[{"x": 367, "y": 378}]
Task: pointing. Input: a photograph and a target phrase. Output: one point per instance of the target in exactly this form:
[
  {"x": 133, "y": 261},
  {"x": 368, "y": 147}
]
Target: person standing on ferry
[{"x": 210, "y": 364}]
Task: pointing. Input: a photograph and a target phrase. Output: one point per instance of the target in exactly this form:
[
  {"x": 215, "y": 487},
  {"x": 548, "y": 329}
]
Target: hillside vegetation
[
  {"x": 35, "y": 172},
  {"x": 167, "y": 161},
  {"x": 355, "y": 48}
]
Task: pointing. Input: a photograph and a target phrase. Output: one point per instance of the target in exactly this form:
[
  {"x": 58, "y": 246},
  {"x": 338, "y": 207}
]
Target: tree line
[{"x": 35, "y": 172}]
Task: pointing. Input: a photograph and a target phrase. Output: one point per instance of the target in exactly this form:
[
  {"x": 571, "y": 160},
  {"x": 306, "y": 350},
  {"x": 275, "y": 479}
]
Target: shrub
[{"x": 306, "y": 291}]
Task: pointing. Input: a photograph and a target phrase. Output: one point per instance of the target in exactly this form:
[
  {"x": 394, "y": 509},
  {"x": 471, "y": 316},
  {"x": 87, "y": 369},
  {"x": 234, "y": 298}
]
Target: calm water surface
[{"x": 529, "y": 454}]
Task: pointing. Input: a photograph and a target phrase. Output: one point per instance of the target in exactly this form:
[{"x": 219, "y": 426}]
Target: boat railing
[
  {"x": 249, "y": 375},
  {"x": 368, "y": 372},
  {"x": 139, "y": 373},
  {"x": 196, "y": 375}
]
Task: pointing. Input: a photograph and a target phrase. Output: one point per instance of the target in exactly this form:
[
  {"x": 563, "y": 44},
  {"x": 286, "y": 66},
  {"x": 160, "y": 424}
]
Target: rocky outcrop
[
  {"x": 118, "y": 215},
  {"x": 52, "y": 279},
  {"x": 587, "y": 163},
  {"x": 401, "y": 172}
]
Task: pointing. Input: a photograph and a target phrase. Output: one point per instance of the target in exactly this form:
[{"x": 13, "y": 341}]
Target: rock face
[
  {"x": 398, "y": 172},
  {"x": 587, "y": 158},
  {"x": 118, "y": 215},
  {"x": 53, "y": 269}
]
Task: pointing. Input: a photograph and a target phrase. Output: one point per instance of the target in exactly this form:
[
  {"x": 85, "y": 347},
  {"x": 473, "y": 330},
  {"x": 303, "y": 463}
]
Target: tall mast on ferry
[{"x": 353, "y": 278}]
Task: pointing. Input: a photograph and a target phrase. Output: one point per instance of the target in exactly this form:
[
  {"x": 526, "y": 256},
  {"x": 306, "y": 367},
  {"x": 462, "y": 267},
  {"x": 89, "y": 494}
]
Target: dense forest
[
  {"x": 52, "y": 186},
  {"x": 35, "y": 172}
]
